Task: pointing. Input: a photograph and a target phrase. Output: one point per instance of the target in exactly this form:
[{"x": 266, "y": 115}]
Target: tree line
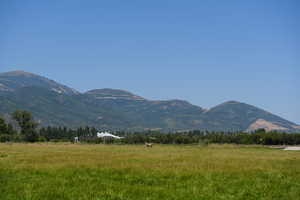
[{"x": 27, "y": 131}]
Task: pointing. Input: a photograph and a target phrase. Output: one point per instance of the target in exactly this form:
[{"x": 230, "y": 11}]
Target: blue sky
[{"x": 206, "y": 52}]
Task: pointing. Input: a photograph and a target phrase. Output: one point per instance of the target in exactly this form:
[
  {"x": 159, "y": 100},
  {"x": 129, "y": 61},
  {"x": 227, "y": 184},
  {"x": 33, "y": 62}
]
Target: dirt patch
[{"x": 268, "y": 126}]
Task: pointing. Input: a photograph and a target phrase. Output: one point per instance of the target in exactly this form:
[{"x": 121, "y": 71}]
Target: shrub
[{"x": 5, "y": 138}]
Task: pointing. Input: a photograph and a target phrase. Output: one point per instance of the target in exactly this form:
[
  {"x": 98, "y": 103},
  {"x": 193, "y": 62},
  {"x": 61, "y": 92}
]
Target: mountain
[
  {"x": 11, "y": 81},
  {"x": 240, "y": 116},
  {"x": 145, "y": 114},
  {"x": 58, "y": 105},
  {"x": 58, "y": 109}
]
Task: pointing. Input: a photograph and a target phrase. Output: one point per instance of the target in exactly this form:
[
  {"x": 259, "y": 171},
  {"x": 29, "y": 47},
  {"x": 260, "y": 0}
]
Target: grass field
[{"x": 115, "y": 172}]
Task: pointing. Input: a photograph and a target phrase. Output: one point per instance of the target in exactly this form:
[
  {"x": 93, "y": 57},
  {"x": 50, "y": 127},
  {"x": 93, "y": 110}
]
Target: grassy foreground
[{"x": 112, "y": 172}]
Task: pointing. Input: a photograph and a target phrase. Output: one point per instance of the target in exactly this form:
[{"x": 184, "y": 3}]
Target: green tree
[
  {"x": 3, "y": 126},
  {"x": 27, "y": 124},
  {"x": 10, "y": 130},
  {"x": 4, "y": 131}
]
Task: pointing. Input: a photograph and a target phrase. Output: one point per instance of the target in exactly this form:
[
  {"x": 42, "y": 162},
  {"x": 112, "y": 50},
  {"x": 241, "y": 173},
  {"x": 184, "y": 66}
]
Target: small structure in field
[
  {"x": 76, "y": 139},
  {"x": 106, "y": 134}
]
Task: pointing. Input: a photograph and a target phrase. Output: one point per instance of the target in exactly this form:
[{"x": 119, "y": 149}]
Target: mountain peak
[
  {"x": 231, "y": 102},
  {"x": 18, "y": 73},
  {"x": 13, "y": 80}
]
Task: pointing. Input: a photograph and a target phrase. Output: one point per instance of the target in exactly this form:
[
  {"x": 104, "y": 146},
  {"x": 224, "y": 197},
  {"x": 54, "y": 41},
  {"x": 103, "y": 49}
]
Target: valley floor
[{"x": 133, "y": 172}]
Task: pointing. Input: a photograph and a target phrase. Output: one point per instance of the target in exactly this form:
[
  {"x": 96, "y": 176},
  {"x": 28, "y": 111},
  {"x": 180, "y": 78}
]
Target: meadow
[{"x": 65, "y": 171}]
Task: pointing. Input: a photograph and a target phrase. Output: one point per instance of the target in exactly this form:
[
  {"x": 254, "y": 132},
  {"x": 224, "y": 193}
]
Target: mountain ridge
[
  {"x": 56, "y": 104},
  {"x": 10, "y": 81}
]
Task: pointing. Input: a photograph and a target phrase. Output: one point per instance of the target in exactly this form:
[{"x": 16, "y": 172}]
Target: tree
[
  {"x": 27, "y": 124},
  {"x": 10, "y": 130},
  {"x": 3, "y": 126}
]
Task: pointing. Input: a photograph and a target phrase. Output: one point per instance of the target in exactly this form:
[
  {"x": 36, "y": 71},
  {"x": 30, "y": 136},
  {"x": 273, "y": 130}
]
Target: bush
[
  {"x": 42, "y": 139},
  {"x": 204, "y": 142},
  {"x": 5, "y": 138}
]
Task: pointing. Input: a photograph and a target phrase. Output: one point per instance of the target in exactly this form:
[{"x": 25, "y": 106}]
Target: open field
[{"x": 116, "y": 172}]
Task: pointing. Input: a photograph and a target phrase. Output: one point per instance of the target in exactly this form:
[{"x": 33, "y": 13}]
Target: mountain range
[{"x": 55, "y": 104}]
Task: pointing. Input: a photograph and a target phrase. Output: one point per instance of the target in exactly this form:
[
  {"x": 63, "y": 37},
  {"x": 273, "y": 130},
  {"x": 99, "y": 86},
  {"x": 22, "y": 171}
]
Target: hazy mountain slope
[
  {"x": 52, "y": 108},
  {"x": 167, "y": 115},
  {"x": 10, "y": 81},
  {"x": 234, "y": 115}
]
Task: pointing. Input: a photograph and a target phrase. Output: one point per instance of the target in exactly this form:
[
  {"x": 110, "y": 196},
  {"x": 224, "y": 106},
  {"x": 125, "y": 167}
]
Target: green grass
[{"x": 116, "y": 172}]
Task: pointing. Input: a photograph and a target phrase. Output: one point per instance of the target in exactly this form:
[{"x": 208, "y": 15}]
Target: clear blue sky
[{"x": 206, "y": 52}]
